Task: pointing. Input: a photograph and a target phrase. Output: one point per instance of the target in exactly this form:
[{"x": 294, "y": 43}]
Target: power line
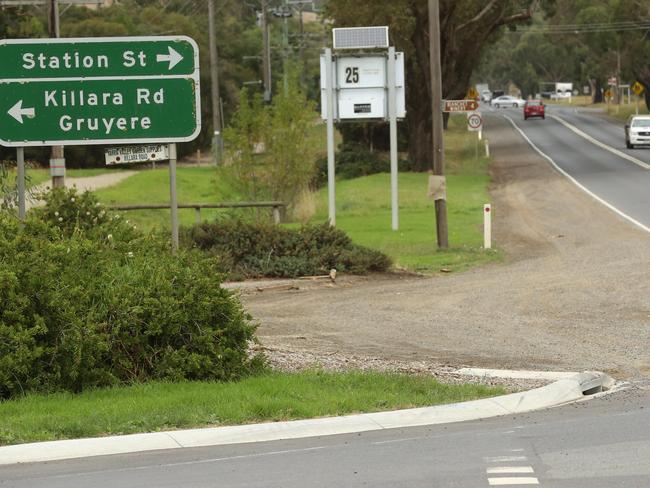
[{"x": 586, "y": 28}]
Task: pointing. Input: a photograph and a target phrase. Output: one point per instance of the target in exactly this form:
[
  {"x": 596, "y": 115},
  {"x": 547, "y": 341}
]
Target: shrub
[
  {"x": 80, "y": 310},
  {"x": 354, "y": 160},
  {"x": 258, "y": 249}
]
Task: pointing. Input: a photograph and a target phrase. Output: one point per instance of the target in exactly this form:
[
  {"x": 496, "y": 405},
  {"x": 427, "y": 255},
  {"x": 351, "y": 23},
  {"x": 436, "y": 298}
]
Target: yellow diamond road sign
[
  {"x": 472, "y": 93},
  {"x": 638, "y": 88}
]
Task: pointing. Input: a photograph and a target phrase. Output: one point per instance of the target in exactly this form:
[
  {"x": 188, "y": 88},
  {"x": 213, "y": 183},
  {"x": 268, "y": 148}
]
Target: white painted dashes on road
[
  {"x": 511, "y": 474},
  {"x": 510, "y": 470},
  {"x": 504, "y": 459},
  {"x": 513, "y": 481}
]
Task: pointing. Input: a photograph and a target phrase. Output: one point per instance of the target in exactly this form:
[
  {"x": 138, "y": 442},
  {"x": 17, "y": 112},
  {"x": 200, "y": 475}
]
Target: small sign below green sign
[{"x": 99, "y": 90}]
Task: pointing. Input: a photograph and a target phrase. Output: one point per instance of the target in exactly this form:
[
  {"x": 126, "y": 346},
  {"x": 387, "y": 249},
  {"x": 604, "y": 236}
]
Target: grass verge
[
  {"x": 270, "y": 397},
  {"x": 620, "y": 112},
  {"x": 364, "y": 211},
  {"x": 193, "y": 185}
]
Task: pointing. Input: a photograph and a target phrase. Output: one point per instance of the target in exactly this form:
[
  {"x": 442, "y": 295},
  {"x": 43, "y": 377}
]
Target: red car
[{"x": 534, "y": 108}]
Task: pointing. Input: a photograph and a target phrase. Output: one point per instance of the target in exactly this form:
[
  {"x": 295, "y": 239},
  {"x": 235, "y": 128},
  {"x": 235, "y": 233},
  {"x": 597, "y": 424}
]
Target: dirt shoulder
[{"x": 573, "y": 294}]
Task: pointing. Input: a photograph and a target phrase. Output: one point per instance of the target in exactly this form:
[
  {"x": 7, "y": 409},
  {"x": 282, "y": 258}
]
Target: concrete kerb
[{"x": 563, "y": 391}]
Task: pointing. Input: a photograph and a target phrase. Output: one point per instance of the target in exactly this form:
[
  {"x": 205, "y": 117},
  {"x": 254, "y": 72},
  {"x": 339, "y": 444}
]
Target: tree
[
  {"x": 270, "y": 152},
  {"x": 467, "y": 28}
]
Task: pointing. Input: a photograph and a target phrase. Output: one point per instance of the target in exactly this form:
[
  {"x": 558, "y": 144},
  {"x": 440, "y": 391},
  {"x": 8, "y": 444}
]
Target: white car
[
  {"x": 507, "y": 101},
  {"x": 637, "y": 130}
]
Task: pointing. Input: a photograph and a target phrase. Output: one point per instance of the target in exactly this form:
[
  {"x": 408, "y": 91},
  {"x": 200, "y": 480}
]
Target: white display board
[{"x": 361, "y": 87}]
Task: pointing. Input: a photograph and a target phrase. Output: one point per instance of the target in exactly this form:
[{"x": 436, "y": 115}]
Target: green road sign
[{"x": 99, "y": 90}]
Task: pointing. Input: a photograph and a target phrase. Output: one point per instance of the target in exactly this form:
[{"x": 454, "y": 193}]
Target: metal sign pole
[
  {"x": 392, "y": 114},
  {"x": 20, "y": 158},
  {"x": 331, "y": 181},
  {"x": 172, "y": 196}
]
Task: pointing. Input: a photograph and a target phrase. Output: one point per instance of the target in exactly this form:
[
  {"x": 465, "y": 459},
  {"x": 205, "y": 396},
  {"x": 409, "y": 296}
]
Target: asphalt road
[
  {"x": 620, "y": 182},
  {"x": 602, "y": 443}
]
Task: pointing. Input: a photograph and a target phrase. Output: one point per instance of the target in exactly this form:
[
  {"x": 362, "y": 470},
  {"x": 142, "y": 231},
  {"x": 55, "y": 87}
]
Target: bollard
[{"x": 487, "y": 226}]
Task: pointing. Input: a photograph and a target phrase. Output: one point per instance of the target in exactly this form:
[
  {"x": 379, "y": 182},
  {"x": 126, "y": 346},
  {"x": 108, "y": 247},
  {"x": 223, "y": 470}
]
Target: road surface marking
[
  {"x": 574, "y": 181},
  {"x": 513, "y": 481},
  {"x": 504, "y": 459},
  {"x": 180, "y": 463},
  {"x": 406, "y": 439},
  {"x": 602, "y": 145},
  {"x": 510, "y": 470}
]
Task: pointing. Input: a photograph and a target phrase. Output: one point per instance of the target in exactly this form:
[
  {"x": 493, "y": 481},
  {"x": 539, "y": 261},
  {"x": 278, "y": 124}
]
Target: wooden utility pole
[
  {"x": 303, "y": 70},
  {"x": 214, "y": 75},
  {"x": 57, "y": 160},
  {"x": 266, "y": 52},
  {"x": 436, "y": 120}
]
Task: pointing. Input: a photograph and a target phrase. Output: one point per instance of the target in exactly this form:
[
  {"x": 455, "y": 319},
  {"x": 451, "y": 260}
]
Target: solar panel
[{"x": 360, "y": 37}]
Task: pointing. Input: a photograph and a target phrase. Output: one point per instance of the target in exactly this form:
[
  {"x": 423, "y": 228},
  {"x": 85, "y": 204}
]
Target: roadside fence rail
[{"x": 274, "y": 206}]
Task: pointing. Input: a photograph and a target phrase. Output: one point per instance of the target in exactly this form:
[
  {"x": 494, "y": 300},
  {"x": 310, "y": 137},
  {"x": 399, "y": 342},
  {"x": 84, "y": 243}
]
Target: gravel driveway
[
  {"x": 87, "y": 183},
  {"x": 573, "y": 294}
]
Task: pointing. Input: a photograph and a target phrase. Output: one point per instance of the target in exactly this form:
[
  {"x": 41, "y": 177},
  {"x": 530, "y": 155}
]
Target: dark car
[{"x": 534, "y": 108}]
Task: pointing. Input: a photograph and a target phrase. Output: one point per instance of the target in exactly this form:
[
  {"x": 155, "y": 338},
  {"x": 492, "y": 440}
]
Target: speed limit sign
[{"x": 474, "y": 121}]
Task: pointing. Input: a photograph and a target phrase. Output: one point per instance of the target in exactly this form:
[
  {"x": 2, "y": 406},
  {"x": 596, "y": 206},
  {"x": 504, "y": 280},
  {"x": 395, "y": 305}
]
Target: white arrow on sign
[
  {"x": 17, "y": 111},
  {"x": 173, "y": 58}
]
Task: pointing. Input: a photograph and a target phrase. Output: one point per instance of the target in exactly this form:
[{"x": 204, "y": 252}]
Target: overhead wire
[{"x": 622, "y": 26}]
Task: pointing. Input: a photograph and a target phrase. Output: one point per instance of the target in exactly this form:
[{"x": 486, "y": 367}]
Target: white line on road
[
  {"x": 595, "y": 141},
  {"x": 510, "y": 470},
  {"x": 513, "y": 481},
  {"x": 181, "y": 463},
  {"x": 575, "y": 182}
]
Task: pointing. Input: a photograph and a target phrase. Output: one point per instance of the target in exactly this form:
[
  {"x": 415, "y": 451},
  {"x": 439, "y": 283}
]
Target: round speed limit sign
[{"x": 474, "y": 121}]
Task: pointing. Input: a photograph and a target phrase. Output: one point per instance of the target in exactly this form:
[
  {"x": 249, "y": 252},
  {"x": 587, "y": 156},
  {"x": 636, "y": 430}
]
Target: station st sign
[{"x": 99, "y": 91}]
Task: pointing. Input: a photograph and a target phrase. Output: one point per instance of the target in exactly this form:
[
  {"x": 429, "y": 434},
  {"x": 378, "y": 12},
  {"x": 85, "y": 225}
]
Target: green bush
[
  {"x": 259, "y": 249},
  {"x": 80, "y": 309},
  {"x": 354, "y": 160}
]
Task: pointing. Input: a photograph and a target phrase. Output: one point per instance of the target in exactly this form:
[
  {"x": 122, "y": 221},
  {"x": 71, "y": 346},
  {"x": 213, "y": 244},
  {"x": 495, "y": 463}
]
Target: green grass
[
  {"x": 363, "y": 210},
  {"x": 193, "y": 185},
  {"x": 621, "y": 112},
  {"x": 269, "y": 397}
]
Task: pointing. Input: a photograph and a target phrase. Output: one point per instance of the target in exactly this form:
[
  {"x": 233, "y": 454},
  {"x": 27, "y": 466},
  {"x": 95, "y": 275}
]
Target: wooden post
[
  {"x": 276, "y": 215},
  {"x": 214, "y": 90},
  {"x": 57, "y": 159},
  {"x": 436, "y": 119},
  {"x": 198, "y": 214}
]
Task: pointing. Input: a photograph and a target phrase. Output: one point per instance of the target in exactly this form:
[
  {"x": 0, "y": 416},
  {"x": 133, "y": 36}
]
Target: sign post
[
  {"x": 90, "y": 91},
  {"x": 363, "y": 86},
  {"x": 331, "y": 177},
  {"x": 392, "y": 117},
  {"x": 638, "y": 90},
  {"x": 20, "y": 160},
  {"x": 173, "y": 201}
]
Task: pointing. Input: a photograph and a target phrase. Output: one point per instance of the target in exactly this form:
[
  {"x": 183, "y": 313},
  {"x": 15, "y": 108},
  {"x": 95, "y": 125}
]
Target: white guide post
[
  {"x": 331, "y": 181},
  {"x": 487, "y": 226},
  {"x": 392, "y": 115}
]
